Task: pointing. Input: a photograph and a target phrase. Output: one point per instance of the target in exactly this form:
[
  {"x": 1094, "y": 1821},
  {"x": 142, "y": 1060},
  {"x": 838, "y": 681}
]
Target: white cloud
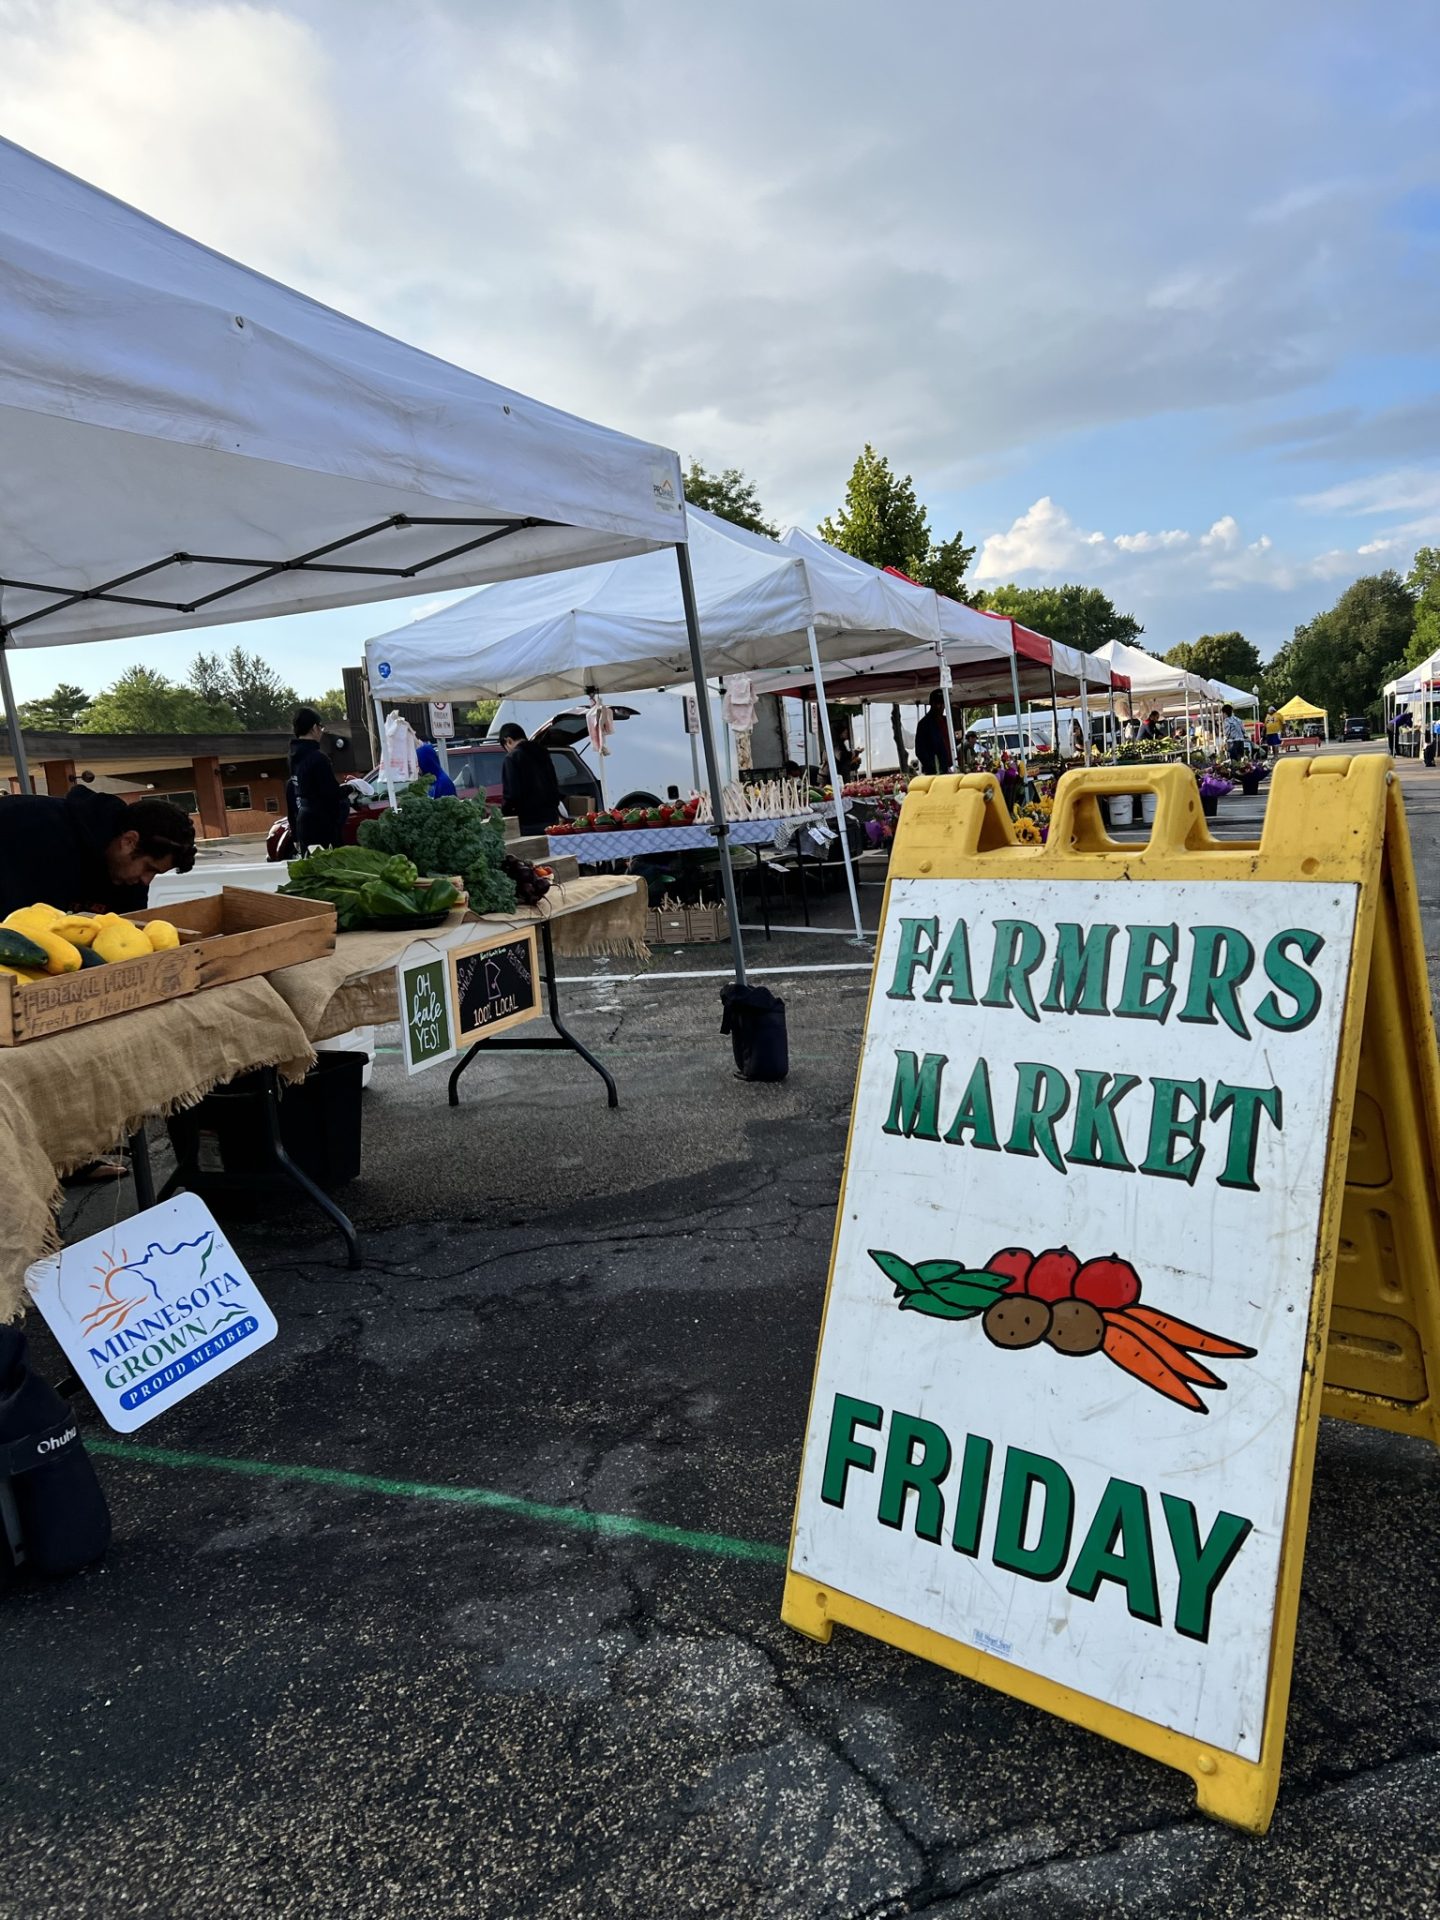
[
  {"x": 214, "y": 118},
  {"x": 1406, "y": 490},
  {"x": 1045, "y": 543},
  {"x": 672, "y": 236}
]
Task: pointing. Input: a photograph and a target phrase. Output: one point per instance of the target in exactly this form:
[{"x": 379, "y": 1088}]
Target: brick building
[{"x": 228, "y": 783}]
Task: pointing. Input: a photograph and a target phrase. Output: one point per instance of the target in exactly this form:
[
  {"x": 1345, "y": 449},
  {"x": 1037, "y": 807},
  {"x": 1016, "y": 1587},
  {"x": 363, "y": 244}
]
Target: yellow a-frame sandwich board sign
[{"x": 1142, "y": 1176}]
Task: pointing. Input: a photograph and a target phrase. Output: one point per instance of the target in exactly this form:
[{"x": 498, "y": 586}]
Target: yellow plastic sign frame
[{"x": 1372, "y": 1352}]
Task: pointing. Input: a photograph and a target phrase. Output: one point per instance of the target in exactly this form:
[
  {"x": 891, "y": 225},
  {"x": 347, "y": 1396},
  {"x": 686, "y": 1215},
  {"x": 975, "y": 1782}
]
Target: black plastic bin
[{"x": 224, "y": 1141}]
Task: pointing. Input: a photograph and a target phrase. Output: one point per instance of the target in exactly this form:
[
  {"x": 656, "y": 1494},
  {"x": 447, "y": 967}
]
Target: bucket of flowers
[
  {"x": 1011, "y": 776},
  {"x": 1213, "y": 786},
  {"x": 1250, "y": 773}
]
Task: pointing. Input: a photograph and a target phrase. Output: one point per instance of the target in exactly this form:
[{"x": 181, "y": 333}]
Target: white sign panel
[
  {"x": 692, "y": 714},
  {"x": 151, "y": 1310},
  {"x": 1057, "y": 1391},
  {"x": 442, "y": 719}
]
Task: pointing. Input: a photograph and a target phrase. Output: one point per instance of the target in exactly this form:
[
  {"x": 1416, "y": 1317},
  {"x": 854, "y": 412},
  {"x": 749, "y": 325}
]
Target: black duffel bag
[
  {"x": 53, "y": 1516},
  {"x": 755, "y": 1021}
]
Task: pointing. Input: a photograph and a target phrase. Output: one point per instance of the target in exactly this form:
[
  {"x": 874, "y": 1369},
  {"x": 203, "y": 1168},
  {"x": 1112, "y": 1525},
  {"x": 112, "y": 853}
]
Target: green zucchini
[
  {"x": 17, "y": 951},
  {"x": 89, "y": 958}
]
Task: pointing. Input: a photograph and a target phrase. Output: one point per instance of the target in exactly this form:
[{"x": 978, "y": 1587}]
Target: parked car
[
  {"x": 475, "y": 765},
  {"x": 1357, "y": 727}
]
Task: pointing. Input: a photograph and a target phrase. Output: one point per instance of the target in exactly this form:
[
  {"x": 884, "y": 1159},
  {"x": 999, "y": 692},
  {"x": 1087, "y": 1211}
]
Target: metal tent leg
[
  {"x": 712, "y": 766},
  {"x": 12, "y": 719},
  {"x": 835, "y": 783}
]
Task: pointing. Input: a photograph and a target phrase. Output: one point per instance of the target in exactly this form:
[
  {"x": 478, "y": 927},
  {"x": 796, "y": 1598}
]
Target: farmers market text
[{"x": 1107, "y": 971}]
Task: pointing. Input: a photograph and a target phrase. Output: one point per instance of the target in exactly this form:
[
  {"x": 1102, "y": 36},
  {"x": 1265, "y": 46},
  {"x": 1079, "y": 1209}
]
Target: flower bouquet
[{"x": 1214, "y": 785}]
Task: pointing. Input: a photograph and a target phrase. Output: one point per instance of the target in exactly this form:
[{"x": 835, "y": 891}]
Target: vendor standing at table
[
  {"x": 528, "y": 785},
  {"x": 932, "y": 739},
  {"x": 88, "y": 852},
  {"x": 317, "y": 806}
]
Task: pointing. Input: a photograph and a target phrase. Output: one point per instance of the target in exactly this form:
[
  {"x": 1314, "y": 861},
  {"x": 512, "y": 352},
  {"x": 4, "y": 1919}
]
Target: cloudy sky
[{"x": 1142, "y": 294}]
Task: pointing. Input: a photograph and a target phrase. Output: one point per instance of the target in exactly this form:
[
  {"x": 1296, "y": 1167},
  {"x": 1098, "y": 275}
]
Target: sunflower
[{"x": 1026, "y": 832}]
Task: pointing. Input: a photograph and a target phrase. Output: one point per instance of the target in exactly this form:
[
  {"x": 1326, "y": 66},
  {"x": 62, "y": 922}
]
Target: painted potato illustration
[
  {"x": 1076, "y": 1327},
  {"x": 1016, "y": 1320}
]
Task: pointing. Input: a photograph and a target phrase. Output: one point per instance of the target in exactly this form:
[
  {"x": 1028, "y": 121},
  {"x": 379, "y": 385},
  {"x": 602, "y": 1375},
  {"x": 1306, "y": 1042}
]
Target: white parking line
[{"x": 708, "y": 973}]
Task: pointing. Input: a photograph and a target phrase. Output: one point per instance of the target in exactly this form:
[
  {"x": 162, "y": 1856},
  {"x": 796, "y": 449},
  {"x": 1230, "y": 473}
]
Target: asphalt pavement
[{"x": 462, "y": 1598}]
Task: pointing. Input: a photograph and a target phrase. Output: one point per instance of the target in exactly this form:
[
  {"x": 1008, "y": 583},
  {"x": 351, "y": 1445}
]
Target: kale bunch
[{"x": 448, "y": 836}]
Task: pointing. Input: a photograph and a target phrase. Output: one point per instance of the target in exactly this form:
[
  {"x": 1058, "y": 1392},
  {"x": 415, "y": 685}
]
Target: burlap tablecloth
[
  {"x": 72, "y": 1097},
  {"x": 355, "y": 985}
]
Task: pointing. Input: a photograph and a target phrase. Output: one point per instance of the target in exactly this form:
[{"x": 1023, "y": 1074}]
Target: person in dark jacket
[
  {"x": 442, "y": 787},
  {"x": 88, "y": 852},
  {"x": 932, "y": 741},
  {"x": 528, "y": 786},
  {"x": 318, "y": 809}
]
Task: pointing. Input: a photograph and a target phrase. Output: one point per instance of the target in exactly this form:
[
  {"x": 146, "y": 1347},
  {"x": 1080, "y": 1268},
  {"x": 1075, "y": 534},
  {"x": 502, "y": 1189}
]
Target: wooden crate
[
  {"x": 238, "y": 933},
  {"x": 232, "y": 935},
  {"x": 672, "y": 925},
  {"x": 61, "y": 1001}
]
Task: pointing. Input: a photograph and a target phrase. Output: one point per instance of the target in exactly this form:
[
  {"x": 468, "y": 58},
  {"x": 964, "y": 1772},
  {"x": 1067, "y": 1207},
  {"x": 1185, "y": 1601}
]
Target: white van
[{"x": 651, "y": 750}]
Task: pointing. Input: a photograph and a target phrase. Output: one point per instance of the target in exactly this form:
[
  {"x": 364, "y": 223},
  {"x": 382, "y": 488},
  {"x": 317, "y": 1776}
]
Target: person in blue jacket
[{"x": 428, "y": 761}]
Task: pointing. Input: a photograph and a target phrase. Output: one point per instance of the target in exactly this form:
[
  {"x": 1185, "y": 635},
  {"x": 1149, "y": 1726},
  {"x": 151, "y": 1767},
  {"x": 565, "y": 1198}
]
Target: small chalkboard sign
[
  {"x": 427, "y": 1023},
  {"x": 494, "y": 984}
]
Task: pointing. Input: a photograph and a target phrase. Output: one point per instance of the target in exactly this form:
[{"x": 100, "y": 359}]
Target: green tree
[
  {"x": 1342, "y": 658},
  {"x": 1423, "y": 580},
  {"x": 730, "y": 495},
  {"x": 143, "y": 701},
  {"x": 258, "y": 700},
  {"x": 477, "y": 719},
  {"x": 58, "y": 712},
  {"x": 1219, "y": 656},
  {"x": 882, "y": 522},
  {"x": 1076, "y": 616},
  {"x": 329, "y": 706}
]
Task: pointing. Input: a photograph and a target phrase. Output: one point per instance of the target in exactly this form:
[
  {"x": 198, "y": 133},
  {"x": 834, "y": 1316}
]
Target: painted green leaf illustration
[
  {"x": 974, "y": 1290},
  {"x": 932, "y": 1270},
  {"x": 906, "y": 1278},
  {"x": 941, "y": 1309}
]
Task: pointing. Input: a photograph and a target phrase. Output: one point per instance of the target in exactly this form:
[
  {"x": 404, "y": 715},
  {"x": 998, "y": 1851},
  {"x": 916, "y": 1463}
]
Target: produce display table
[
  {"x": 67, "y": 1099},
  {"x": 630, "y": 843},
  {"x": 355, "y": 985}
]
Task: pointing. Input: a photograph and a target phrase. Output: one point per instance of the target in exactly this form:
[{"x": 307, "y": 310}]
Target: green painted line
[{"x": 614, "y": 1526}]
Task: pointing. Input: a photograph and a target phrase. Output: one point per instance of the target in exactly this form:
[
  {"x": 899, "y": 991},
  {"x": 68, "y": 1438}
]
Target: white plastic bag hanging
[
  {"x": 599, "y": 724},
  {"x": 738, "y": 704},
  {"x": 398, "y": 764}
]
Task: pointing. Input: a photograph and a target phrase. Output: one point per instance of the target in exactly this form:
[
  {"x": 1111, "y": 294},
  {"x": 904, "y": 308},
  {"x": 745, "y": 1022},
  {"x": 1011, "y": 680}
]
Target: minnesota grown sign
[{"x": 1056, "y": 1399}]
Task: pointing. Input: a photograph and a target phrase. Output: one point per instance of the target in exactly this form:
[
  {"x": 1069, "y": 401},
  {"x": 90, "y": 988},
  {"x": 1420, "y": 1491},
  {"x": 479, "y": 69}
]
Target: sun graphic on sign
[
  {"x": 119, "y": 1274},
  {"x": 1076, "y": 1308}
]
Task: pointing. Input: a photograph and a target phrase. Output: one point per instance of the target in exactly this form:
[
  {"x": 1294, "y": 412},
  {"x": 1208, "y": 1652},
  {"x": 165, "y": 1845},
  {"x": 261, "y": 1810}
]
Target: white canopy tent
[
  {"x": 612, "y": 628},
  {"x": 1229, "y": 696},
  {"x": 186, "y": 442}
]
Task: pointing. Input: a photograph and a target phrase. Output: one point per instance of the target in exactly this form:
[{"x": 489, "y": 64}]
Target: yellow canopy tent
[{"x": 1298, "y": 710}]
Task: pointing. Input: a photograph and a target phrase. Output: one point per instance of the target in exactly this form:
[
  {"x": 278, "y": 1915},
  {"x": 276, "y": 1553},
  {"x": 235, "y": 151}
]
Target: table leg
[
  {"x": 296, "y": 1175},
  {"x": 140, "y": 1170},
  {"x": 563, "y": 1039},
  {"x": 764, "y": 866},
  {"x": 800, "y": 876}
]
